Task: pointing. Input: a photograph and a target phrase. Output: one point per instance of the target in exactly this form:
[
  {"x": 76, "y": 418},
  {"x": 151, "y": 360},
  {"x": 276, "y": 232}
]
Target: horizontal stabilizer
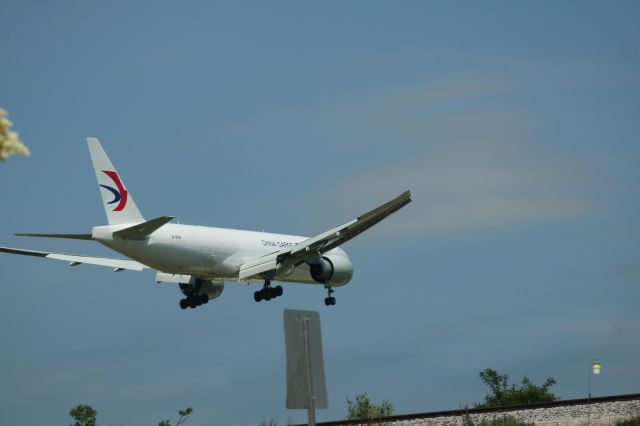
[
  {"x": 143, "y": 230},
  {"x": 67, "y": 236},
  {"x": 24, "y": 252}
]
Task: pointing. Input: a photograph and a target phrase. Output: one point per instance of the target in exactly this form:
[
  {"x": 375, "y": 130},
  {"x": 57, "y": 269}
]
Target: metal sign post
[
  {"x": 303, "y": 321},
  {"x": 305, "y": 367}
]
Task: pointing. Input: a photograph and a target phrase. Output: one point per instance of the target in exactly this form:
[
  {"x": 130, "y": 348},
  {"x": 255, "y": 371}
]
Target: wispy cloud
[
  {"x": 465, "y": 186},
  {"x": 460, "y": 143},
  {"x": 597, "y": 328},
  {"x": 629, "y": 271}
]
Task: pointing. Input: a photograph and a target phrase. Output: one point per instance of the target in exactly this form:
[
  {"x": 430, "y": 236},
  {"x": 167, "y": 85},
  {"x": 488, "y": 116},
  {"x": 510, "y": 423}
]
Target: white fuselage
[{"x": 209, "y": 253}]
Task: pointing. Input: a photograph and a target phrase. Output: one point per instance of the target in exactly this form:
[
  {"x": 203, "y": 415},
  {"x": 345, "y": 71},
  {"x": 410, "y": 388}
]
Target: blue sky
[{"x": 515, "y": 125}]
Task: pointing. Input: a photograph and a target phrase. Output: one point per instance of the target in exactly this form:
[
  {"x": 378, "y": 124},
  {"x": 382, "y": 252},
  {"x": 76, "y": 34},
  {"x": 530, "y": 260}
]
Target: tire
[
  {"x": 332, "y": 300},
  {"x": 183, "y": 304},
  {"x": 257, "y": 296},
  {"x": 327, "y": 301},
  {"x": 278, "y": 291}
]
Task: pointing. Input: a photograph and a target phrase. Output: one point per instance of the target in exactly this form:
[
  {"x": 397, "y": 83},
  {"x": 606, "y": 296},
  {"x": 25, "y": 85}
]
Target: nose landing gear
[{"x": 267, "y": 292}]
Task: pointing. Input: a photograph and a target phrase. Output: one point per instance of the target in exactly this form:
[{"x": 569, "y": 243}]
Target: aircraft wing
[
  {"x": 312, "y": 247},
  {"x": 117, "y": 264}
]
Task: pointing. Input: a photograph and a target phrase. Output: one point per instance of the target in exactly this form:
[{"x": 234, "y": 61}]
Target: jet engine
[
  {"x": 332, "y": 269},
  {"x": 212, "y": 289}
]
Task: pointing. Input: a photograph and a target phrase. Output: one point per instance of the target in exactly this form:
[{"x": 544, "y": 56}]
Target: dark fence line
[{"x": 461, "y": 412}]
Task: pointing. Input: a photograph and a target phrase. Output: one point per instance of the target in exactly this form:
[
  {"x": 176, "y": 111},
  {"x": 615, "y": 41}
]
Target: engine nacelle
[
  {"x": 332, "y": 269},
  {"x": 212, "y": 289}
]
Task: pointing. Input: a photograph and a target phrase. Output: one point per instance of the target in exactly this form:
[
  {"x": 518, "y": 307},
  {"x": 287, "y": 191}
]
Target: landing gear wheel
[
  {"x": 183, "y": 304},
  {"x": 329, "y": 300},
  {"x": 267, "y": 292},
  {"x": 204, "y": 299}
]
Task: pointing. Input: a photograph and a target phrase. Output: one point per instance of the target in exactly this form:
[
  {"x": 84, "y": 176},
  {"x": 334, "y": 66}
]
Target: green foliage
[
  {"x": 84, "y": 415},
  {"x": 499, "y": 421},
  {"x": 503, "y": 394},
  {"x": 184, "y": 415},
  {"x": 634, "y": 421},
  {"x": 505, "y": 421},
  {"x": 363, "y": 408},
  {"x": 466, "y": 419}
]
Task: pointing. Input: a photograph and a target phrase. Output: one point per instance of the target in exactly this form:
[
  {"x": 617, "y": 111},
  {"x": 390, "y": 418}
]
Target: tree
[
  {"x": 9, "y": 142},
  {"x": 363, "y": 408},
  {"x": 84, "y": 415},
  {"x": 504, "y": 394},
  {"x": 184, "y": 415}
]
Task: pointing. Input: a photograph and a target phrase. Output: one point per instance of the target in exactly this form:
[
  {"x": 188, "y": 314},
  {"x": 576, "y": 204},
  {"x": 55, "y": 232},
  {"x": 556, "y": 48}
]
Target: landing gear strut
[
  {"x": 193, "y": 301},
  {"x": 329, "y": 300},
  {"x": 267, "y": 292}
]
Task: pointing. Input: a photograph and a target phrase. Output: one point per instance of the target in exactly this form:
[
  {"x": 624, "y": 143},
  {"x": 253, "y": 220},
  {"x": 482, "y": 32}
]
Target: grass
[
  {"x": 505, "y": 421},
  {"x": 500, "y": 421},
  {"x": 634, "y": 421}
]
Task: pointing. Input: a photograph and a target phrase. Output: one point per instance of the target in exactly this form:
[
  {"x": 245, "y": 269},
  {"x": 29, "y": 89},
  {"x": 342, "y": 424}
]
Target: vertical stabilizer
[{"x": 118, "y": 202}]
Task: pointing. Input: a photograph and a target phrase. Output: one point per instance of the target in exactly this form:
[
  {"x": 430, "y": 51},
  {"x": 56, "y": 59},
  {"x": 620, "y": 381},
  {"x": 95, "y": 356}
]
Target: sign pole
[{"x": 306, "y": 350}]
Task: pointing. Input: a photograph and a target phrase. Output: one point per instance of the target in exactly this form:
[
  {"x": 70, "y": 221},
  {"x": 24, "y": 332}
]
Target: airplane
[{"x": 200, "y": 259}]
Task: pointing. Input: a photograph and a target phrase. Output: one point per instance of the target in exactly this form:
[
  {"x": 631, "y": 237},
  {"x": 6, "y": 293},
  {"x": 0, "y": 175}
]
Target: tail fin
[{"x": 118, "y": 203}]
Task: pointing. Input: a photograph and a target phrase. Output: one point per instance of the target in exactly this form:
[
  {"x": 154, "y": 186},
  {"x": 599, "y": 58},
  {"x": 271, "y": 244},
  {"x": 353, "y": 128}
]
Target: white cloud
[
  {"x": 466, "y": 186},
  {"x": 464, "y": 143},
  {"x": 466, "y": 156},
  {"x": 600, "y": 327}
]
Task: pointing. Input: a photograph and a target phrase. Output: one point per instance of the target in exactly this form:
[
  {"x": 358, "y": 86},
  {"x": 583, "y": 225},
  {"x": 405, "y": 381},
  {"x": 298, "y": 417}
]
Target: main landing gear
[
  {"x": 329, "y": 300},
  {"x": 193, "y": 301},
  {"x": 267, "y": 292}
]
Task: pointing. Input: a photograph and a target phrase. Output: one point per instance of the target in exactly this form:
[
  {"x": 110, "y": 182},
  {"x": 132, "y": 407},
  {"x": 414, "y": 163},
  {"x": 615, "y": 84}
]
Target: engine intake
[{"x": 322, "y": 271}]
